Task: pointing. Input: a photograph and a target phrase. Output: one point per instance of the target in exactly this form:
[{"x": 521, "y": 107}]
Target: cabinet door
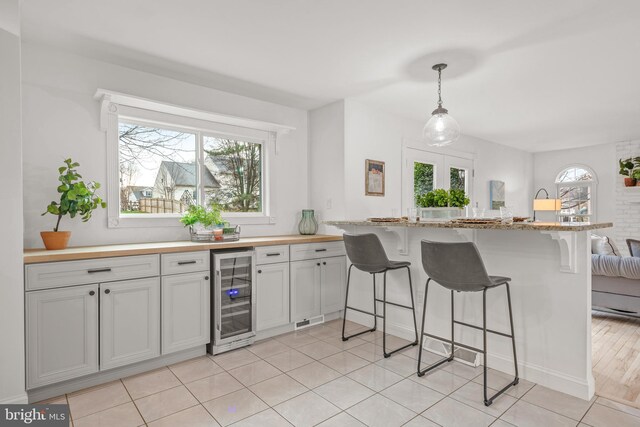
[
  {"x": 272, "y": 295},
  {"x": 129, "y": 322},
  {"x": 62, "y": 334},
  {"x": 332, "y": 283},
  {"x": 305, "y": 289},
  {"x": 186, "y": 311}
]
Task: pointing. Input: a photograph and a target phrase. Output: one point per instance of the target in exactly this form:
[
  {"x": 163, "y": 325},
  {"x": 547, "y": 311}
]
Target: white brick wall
[{"x": 627, "y": 223}]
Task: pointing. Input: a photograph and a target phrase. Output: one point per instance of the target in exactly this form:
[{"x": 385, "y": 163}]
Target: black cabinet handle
[
  {"x": 186, "y": 262},
  {"x": 318, "y": 264},
  {"x": 107, "y": 291},
  {"x": 92, "y": 293},
  {"x": 273, "y": 254},
  {"x": 99, "y": 270},
  {"x": 259, "y": 271},
  {"x": 324, "y": 263},
  {"x": 206, "y": 277},
  {"x": 321, "y": 250}
]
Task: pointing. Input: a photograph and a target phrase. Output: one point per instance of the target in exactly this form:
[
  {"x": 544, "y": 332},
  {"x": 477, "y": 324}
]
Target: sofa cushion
[
  {"x": 602, "y": 245},
  {"x": 615, "y": 266}
]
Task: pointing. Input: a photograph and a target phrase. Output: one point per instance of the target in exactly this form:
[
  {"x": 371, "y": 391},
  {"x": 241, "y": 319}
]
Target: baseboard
[
  {"x": 549, "y": 378},
  {"x": 21, "y": 398},
  {"x": 290, "y": 327},
  {"x": 53, "y": 390}
]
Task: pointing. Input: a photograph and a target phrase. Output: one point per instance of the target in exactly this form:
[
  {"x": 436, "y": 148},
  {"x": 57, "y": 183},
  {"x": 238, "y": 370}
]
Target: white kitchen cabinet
[
  {"x": 272, "y": 295},
  {"x": 129, "y": 322},
  {"x": 185, "y": 311},
  {"x": 61, "y": 334},
  {"x": 305, "y": 289},
  {"x": 333, "y": 273},
  {"x": 317, "y": 287}
]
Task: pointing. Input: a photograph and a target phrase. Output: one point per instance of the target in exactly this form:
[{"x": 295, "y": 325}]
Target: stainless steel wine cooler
[{"x": 233, "y": 321}]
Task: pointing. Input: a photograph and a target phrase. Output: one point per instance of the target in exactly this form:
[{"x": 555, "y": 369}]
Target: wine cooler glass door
[{"x": 235, "y": 304}]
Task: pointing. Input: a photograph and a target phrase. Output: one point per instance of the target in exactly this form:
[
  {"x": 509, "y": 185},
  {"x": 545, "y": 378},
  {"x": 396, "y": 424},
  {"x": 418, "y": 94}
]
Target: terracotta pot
[
  {"x": 55, "y": 239},
  {"x": 629, "y": 182}
]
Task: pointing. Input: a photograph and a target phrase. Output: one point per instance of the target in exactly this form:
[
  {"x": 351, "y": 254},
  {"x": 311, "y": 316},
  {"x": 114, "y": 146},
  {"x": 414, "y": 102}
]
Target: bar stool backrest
[
  {"x": 365, "y": 252},
  {"x": 456, "y": 266}
]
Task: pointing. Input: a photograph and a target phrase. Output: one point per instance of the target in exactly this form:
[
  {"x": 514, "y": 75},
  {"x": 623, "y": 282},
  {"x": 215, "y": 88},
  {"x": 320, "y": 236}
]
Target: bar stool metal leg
[
  {"x": 413, "y": 307},
  {"x": 449, "y": 358},
  {"x": 346, "y": 306},
  {"x": 489, "y": 401}
]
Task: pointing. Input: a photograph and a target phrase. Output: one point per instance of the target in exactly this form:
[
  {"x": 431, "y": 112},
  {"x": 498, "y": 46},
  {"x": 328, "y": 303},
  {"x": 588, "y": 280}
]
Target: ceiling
[{"x": 536, "y": 75}]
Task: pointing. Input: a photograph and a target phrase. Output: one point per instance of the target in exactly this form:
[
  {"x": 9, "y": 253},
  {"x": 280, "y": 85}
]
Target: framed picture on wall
[
  {"x": 373, "y": 178},
  {"x": 496, "y": 194}
]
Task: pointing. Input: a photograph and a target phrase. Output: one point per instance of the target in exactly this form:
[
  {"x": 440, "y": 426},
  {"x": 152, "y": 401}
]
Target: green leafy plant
[
  {"x": 458, "y": 199},
  {"x": 636, "y": 174},
  {"x": 441, "y": 198},
  {"x": 627, "y": 165},
  {"x": 206, "y": 217},
  {"x": 76, "y": 197}
]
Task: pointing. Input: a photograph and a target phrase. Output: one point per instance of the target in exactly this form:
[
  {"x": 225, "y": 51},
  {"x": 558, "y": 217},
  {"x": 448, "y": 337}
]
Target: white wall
[
  {"x": 326, "y": 162},
  {"x": 61, "y": 119},
  {"x": 600, "y": 158},
  {"x": 374, "y": 134},
  {"x": 11, "y": 280}
]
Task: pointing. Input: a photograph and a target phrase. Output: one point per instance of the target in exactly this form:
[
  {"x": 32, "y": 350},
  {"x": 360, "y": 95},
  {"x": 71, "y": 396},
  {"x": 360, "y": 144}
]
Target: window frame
[
  {"x": 590, "y": 184},
  {"x": 116, "y": 107}
]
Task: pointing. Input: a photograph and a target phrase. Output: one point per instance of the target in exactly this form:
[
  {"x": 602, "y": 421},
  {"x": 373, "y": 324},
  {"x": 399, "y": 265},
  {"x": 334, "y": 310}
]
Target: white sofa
[{"x": 615, "y": 284}]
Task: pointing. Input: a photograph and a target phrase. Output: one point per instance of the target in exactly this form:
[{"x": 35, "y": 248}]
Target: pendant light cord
[{"x": 439, "y": 87}]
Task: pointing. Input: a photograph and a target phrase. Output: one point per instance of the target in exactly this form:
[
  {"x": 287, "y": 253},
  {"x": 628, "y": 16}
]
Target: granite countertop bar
[
  {"x": 32, "y": 256},
  {"x": 518, "y": 226}
]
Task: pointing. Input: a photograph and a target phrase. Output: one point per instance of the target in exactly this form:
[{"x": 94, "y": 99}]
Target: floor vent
[
  {"x": 309, "y": 322},
  {"x": 462, "y": 355}
]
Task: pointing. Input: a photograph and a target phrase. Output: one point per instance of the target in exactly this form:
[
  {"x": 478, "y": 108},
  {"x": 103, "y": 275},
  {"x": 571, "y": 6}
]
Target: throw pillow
[{"x": 602, "y": 245}]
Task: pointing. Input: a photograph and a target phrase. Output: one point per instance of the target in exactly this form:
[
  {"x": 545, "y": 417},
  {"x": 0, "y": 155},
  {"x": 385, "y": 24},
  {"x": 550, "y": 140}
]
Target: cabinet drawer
[
  {"x": 272, "y": 254},
  {"x": 316, "y": 250},
  {"x": 67, "y": 273},
  {"x": 184, "y": 262}
]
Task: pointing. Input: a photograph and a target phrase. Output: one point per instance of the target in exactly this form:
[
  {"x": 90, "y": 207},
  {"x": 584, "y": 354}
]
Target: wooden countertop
[
  {"x": 32, "y": 256},
  {"x": 534, "y": 226}
]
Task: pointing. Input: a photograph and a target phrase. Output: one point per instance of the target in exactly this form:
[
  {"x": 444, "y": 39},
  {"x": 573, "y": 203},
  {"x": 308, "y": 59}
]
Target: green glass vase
[{"x": 308, "y": 223}]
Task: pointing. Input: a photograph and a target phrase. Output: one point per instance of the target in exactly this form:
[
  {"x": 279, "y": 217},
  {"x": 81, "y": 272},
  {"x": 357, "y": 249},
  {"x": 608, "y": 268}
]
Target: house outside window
[
  {"x": 163, "y": 158},
  {"x": 576, "y": 188}
]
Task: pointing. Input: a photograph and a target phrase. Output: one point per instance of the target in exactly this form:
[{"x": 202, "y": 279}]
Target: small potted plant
[
  {"x": 442, "y": 204},
  {"x": 76, "y": 198},
  {"x": 636, "y": 176},
  {"x": 626, "y": 170},
  {"x": 202, "y": 221}
]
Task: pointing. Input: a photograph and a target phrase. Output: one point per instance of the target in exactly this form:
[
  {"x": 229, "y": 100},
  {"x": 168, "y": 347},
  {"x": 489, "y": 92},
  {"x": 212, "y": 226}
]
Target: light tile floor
[{"x": 311, "y": 377}]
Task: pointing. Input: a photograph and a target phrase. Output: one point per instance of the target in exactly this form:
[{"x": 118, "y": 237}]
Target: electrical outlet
[
  {"x": 329, "y": 202},
  {"x": 272, "y": 219}
]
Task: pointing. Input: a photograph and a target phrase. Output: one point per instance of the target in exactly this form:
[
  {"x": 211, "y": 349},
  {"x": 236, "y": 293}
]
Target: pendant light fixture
[{"x": 441, "y": 129}]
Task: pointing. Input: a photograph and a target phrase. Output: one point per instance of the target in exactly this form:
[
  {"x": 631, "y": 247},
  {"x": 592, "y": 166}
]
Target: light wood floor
[{"x": 616, "y": 357}]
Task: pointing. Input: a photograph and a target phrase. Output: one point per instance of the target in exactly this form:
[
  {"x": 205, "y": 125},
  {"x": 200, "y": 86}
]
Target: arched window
[{"x": 576, "y": 188}]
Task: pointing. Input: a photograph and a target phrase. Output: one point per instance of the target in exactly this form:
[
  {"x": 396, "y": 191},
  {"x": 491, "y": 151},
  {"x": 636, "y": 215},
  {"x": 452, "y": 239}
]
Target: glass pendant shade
[{"x": 441, "y": 129}]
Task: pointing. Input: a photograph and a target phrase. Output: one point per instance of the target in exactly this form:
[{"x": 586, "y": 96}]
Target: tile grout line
[{"x": 134, "y": 402}]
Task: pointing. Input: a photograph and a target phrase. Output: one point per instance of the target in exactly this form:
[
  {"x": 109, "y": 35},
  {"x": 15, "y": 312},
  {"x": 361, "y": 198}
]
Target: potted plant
[
  {"x": 202, "y": 221},
  {"x": 442, "y": 204},
  {"x": 636, "y": 176},
  {"x": 76, "y": 198},
  {"x": 626, "y": 170}
]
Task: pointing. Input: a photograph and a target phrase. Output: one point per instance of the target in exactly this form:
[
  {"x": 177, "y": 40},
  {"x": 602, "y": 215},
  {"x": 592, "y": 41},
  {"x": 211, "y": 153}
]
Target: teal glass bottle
[{"x": 308, "y": 223}]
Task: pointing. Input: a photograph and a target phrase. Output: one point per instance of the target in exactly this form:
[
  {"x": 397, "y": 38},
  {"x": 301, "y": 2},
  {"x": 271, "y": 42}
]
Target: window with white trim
[
  {"x": 575, "y": 187},
  {"x": 163, "y": 158}
]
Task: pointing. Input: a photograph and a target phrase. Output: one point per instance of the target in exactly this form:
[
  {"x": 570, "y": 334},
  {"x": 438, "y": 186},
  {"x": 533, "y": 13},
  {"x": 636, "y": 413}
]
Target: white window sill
[{"x": 148, "y": 221}]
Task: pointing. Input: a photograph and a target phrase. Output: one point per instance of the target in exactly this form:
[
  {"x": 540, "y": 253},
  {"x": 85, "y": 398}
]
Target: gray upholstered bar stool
[
  {"x": 367, "y": 254},
  {"x": 459, "y": 267}
]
